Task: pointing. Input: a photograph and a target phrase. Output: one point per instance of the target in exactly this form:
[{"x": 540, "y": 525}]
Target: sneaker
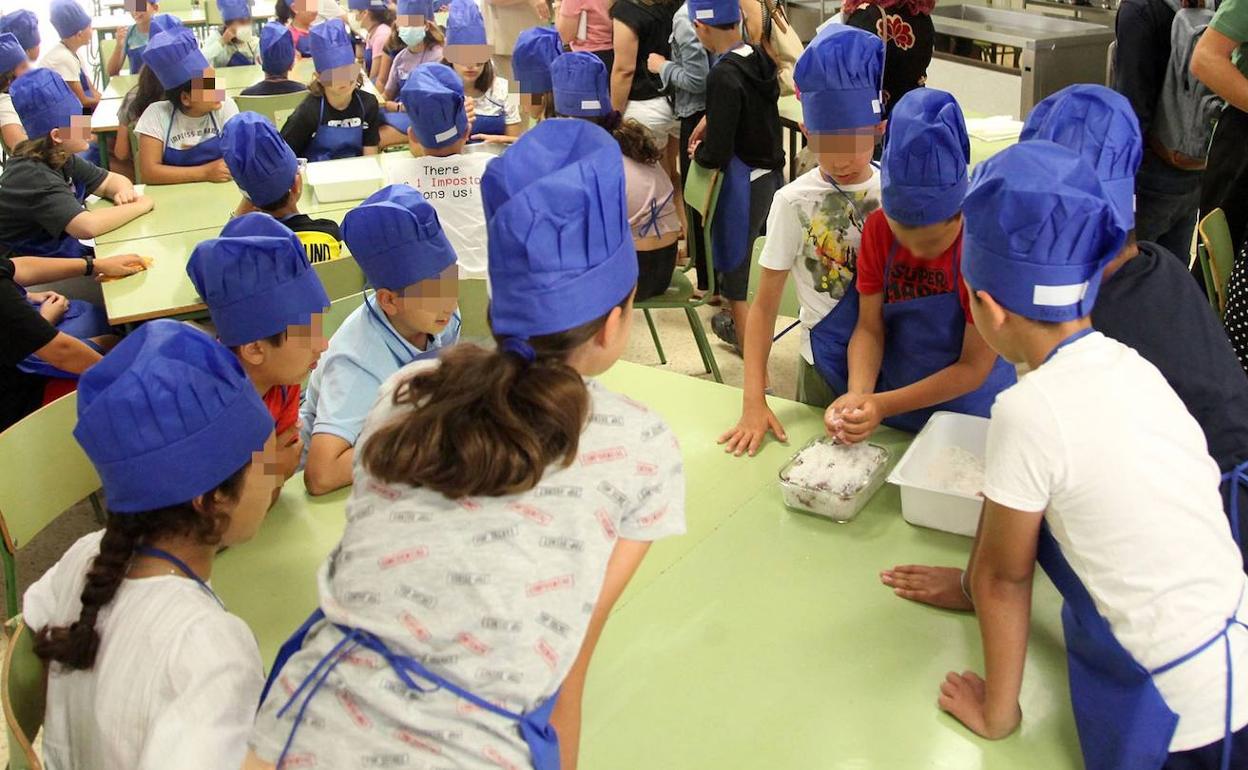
[{"x": 725, "y": 328}]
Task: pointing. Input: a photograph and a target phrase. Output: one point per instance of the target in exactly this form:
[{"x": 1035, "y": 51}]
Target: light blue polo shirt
[{"x": 364, "y": 351}]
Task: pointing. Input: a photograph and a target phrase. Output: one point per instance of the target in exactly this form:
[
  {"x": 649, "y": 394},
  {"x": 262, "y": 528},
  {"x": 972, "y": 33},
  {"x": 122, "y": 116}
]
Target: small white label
[
  {"x": 875, "y": 106},
  {"x": 591, "y": 104},
  {"x": 1059, "y": 296},
  {"x": 705, "y": 13},
  {"x": 449, "y": 133}
]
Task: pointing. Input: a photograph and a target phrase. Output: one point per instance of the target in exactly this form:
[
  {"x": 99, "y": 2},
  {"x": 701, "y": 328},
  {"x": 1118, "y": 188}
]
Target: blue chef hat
[
  {"x": 331, "y": 46},
  {"x": 839, "y": 76},
  {"x": 167, "y": 416},
  {"x": 464, "y": 24},
  {"x": 43, "y": 102},
  {"x": 364, "y": 5},
  {"x": 416, "y": 8},
  {"x": 69, "y": 18},
  {"x": 715, "y": 11},
  {"x": 924, "y": 168},
  {"x": 256, "y": 280},
  {"x": 396, "y": 238},
  {"x": 234, "y": 9},
  {"x": 560, "y": 248},
  {"x": 175, "y": 57},
  {"x": 164, "y": 22},
  {"x": 433, "y": 98},
  {"x": 11, "y": 52},
  {"x": 277, "y": 49},
  {"x": 1039, "y": 229},
  {"x": 260, "y": 161},
  {"x": 1100, "y": 125},
  {"x": 24, "y": 25},
  {"x": 536, "y": 48},
  {"x": 581, "y": 86}
]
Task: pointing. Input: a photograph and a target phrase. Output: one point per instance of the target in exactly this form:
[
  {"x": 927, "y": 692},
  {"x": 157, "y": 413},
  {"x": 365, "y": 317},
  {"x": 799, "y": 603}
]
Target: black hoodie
[{"x": 742, "y": 118}]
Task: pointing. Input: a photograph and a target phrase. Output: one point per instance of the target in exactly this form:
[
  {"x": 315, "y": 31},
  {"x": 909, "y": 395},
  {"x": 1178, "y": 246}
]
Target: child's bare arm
[
  {"x": 329, "y": 463},
  {"x": 756, "y": 417}
]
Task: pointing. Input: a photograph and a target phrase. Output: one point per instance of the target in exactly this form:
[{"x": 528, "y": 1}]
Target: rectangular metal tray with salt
[{"x": 833, "y": 480}]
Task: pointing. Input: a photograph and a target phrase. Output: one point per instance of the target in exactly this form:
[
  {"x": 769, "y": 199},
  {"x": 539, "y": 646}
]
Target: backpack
[
  {"x": 1187, "y": 109},
  {"x": 781, "y": 42}
]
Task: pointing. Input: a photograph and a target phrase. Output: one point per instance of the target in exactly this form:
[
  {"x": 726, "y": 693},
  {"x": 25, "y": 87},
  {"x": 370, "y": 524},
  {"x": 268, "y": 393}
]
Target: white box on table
[
  {"x": 345, "y": 179},
  {"x": 926, "y": 504}
]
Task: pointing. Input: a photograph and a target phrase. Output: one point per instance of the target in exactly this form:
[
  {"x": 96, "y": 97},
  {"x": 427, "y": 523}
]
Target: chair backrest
[
  {"x": 474, "y": 303},
  {"x": 1202, "y": 259},
  {"x": 213, "y": 14},
  {"x": 1215, "y": 233},
  {"x": 107, "y": 46},
  {"x": 23, "y": 689},
  {"x": 134, "y": 156},
  {"x": 274, "y": 108},
  {"x": 341, "y": 277},
  {"x": 789, "y": 306},
  {"x": 176, "y": 7},
  {"x": 702, "y": 186},
  {"x": 338, "y": 311}
]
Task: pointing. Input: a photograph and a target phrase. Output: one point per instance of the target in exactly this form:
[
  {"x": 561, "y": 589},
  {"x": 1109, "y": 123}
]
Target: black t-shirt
[
  {"x": 23, "y": 332},
  {"x": 742, "y": 118},
  {"x": 911, "y": 38},
  {"x": 652, "y": 23},
  {"x": 1142, "y": 28},
  {"x": 38, "y": 201},
  {"x": 303, "y": 123},
  {"x": 274, "y": 88},
  {"x": 321, "y": 238},
  {"x": 1153, "y": 305}
]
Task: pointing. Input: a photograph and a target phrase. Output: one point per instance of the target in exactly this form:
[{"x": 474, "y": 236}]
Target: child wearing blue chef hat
[
  {"x": 536, "y": 49},
  {"x": 339, "y": 119},
  {"x": 24, "y": 25},
  {"x": 235, "y": 45},
  {"x": 376, "y": 19},
  {"x": 477, "y": 476},
  {"x": 41, "y": 212},
  {"x": 277, "y": 58},
  {"x": 495, "y": 120},
  {"x": 901, "y": 344},
  {"x": 132, "y": 40},
  {"x": 1095, "y": 469},
  {"x": 13, "y": 64},
  {"x": 421, "y": 40},
  {"x": 412, "y": 314},
  {"x": 267, "y": 172},
  {"x": 815, "y": 227},
  {"x": 266, "y": 303},
  {"x": 298, "y": 16},
  {"x": 74, "y": 27},
  {"x": 185, "y": 450},
  {"x": 180, "y": 136}
]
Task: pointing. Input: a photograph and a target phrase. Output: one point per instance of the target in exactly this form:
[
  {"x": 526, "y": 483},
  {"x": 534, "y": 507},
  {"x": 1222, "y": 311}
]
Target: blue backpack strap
[{"x": 1233, "y": 481}]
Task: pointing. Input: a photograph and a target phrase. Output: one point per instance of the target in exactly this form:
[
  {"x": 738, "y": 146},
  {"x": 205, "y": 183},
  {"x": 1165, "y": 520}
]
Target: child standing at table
[
  {"x": 412, "y": 315},
  {"x": 266, "y": 304},
  {"x": 13, "y": 64},
  {"x": 267, "y": 172},
  {"x": 146, "y": 668},
  {"x": 180, "y": 136},
  {"x": 815, "y": 226},
  {"x": 235, "y": 45},
  {"x": 41, "y": 211},
  {"x": 24, "y": 25},
  {"x": 422, "y": 40},
  {"x": 74, "y": 26},
  {"x": 536, "y": 48},
  {"x": 468, "y": 53},
  {"x": 131, "y": 41},
  {"x": 503, "y": 500},
  {"x": 339, "y": 119},
  {"x": 902, "y": 344},
  {"x": 277, "y": 57}
]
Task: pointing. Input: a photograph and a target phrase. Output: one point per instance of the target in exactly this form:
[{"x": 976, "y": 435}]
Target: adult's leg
[
  {"x": 1225, "y": 183},
  {"x": 1167, "y": 200}
]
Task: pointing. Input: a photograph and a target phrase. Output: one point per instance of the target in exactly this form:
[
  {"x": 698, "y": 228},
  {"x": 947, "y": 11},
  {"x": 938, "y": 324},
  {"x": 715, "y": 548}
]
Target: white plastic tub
[
  {"x": 925, "y": 503},
  {"x": 346, "y": 179}
]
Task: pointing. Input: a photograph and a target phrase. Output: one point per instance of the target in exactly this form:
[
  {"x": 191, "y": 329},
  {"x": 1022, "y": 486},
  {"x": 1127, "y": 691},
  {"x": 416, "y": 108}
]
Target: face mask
[
  {"x": 412, "y": 35},
  {"x": 243, "y": 34}
]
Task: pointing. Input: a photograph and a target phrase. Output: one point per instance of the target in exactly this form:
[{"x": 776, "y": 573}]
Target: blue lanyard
[
  {"x": 862, "y": 219},
  {"x": 158, "y": 553},
  {"x": 1071, "y": 339},
  {"x": 402, "y": 342}
]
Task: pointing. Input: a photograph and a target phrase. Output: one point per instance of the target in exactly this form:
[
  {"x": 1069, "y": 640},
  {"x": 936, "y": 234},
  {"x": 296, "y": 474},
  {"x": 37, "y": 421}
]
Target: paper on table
[{"x": 994, "y": 129}]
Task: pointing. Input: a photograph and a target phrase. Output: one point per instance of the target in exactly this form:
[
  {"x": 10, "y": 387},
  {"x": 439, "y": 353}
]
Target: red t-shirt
[
  {"x": 283, "y": 404},
  {"x": 910, "y": 277}
]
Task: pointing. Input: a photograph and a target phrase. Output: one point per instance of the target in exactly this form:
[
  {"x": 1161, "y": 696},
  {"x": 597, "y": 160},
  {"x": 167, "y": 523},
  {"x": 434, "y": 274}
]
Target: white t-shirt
[
  {"x": 175, "y": 682},
  {"x": 1097, "y": 440},
  {"x": 186, "y": 132},
  {"x": 8, "y": 115},
  {"x": 63, "y": 62},
  {"x": 452, "y": 185},
  {"x": 495, "y": 102},
  {"x": 814, "y": 230}
]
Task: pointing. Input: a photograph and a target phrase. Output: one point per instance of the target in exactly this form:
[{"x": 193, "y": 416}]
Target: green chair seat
[
  {"x": 678, "y": 295},
  {"x": 24, "y": 695}
]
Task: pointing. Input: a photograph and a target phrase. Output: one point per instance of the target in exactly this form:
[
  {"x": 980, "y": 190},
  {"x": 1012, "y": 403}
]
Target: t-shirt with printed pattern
[
  {"x": 494, "y": 594},
  {"x": 909, "y": 277}
]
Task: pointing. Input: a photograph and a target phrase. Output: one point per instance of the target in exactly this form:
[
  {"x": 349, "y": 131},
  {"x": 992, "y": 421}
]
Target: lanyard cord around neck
[{"x": 183, "y": 567}]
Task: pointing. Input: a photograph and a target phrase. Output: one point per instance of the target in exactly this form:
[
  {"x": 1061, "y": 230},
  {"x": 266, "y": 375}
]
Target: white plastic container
[
  {"x": 345, "y": 179},
  {"x": 840, "y": 505},
  {"x": 926, "y": 504}
]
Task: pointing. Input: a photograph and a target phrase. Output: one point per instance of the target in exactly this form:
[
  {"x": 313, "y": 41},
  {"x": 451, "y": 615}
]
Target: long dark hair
[
  {"x": 146, "y": 92},
  {"x": 76, "y": 645},
  {"x": 42, "y": 148},
  {"x": 485, "y": 422},
  {"x": 282, "y": 12},
  {"x": 381, "y": 15},
  {"x": 484, "y": 81}
]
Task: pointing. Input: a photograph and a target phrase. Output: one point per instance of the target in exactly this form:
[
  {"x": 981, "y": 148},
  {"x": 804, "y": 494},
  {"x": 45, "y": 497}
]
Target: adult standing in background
[
  {"x": 1167, "y": 189},
  {"x": 505, "y": 20},
  {"x": 906, "y": 28},
  {"x": 1219, "y": 61}
]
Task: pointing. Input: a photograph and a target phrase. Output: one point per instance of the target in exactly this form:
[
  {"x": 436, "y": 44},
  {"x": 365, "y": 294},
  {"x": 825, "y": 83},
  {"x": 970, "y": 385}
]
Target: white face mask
[
  {"x": 244, "y": 34},
  {"x": 412, "y": 36}
]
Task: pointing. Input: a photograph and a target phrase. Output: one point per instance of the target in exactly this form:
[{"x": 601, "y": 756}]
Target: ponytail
[
  {"x": 486, "y": 423},
  {"x": 77, "y": 644}
]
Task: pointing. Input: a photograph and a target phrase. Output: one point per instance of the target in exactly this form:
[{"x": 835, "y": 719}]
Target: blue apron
[
  {"x": 206, "y": 151},
  {"x": 535, "y": 728},
  {"x": 239, "y": 59},
  {"x": 730, "y": 229},
  {"x": 922, "y": 336},
  {"x": 135, "y": 58},
  {"x": 1123, "y": 721},
  {"x": 398, "y": 120},
  {"x": 304, "y": 46},
  {"x": 330, "y": 142},
  {"x": 85, "y": 82},
  {"x": 82, "y": 321},
  {"x": 495, "y": 125},
  {"x": 368, "y": 60}
]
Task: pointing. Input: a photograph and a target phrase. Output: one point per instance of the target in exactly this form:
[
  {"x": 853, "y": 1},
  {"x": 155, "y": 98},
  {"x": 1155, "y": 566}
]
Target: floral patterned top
[{"x": 910, "y": 38}]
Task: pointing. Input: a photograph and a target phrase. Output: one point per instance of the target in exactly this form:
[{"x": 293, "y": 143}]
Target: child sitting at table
[
  {"x": 901, "y": 344},
  {"x": 180, "y": 136},
  {"x": 816, "y": 222},
  {"x": 490, "y": 481},
  {"x": 267, "y": 173},
  {"x": 74, "y": 26},
  {"x": 338, "y": 119},
  {"x": 536, "y": 49},
  {"x": 130, "y": 41},
  {"x": 44, "y": 181},
  {"x": 422, "y": 40},
  {"x": 235, "y": 45},
  {"x": 145, "y": 667},
  {"x": 468, "y": 53},
  {"x": 24, "y": 25},
  {"x": 297, "y": 16},
  {"x": 277, "y": 58},
  {"x": 13, "y": 64},
  {"x": 412, "y": 314},
  {"x": 266, "y": 303}
]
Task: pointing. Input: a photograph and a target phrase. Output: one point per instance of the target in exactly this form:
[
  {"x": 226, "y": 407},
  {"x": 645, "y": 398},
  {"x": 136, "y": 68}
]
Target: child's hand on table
[
  {"x": 965, "y": 697},
  {"x": 217, "y": 171},
  {"x": 494, "y": 138},
  {"x": 756, "y": 421},
  {"x": 853, "y": 417},
  {"x": 120, "y": 265},
  {"x": 936, "y": 586}
]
